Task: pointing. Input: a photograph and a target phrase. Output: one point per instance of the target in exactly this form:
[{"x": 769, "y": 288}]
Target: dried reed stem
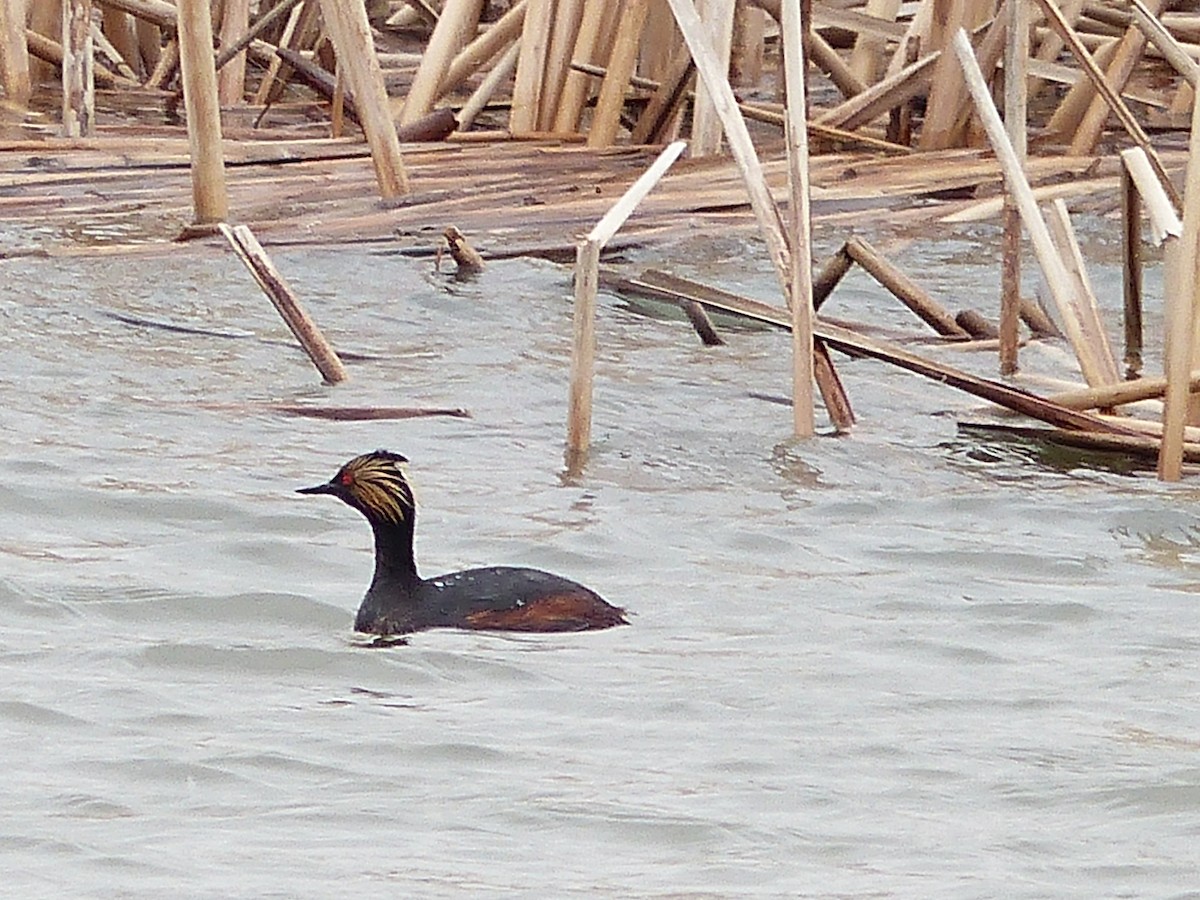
[
  {"x": 78, "y": 80},
  {"x": 456, "y": 26},
  {"x": 866, "y": 59},
  {"x": 497, "y": 38},
  {"x": 1131, "y": 273},
  {"x": 607, "y": 118},
  {"x": 531, "y": 65},
  {"x": 255, "y": 258},
  {"x": 587, "y": 280},
  {"x": 904, "y": 289},
  {"x": 717, "y": 16},
  {"x": 209, "y": 198},
  {"x": 1016, "y": 59},
  {"x": 351, "y": 34},
  {"x": 1180, "y": 314},
  {"x": 231, "y": 79},
  {"x": 499, "y": 74},
  {"x": 798, "y": 223},
  {"x": 1126, "y": 118},
  {"x": 1117, "y": 75},
  {"x": 1062, "y": 286},
  {"x": 14, "y": 54}
]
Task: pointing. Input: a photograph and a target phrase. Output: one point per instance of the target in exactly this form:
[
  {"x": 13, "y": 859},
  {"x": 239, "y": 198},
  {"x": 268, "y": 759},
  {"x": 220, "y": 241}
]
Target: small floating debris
[{"x": 467, "y": 258}]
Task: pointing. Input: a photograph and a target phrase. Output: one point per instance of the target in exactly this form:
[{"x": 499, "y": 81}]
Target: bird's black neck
[
  {"x": 395, "y": 566},
  {"x": 390, "y": 604}
]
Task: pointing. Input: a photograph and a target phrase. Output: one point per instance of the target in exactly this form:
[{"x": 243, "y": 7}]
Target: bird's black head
[{"x": 375, "y": 485}]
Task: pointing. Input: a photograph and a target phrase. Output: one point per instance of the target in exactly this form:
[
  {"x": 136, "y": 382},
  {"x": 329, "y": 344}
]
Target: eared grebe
[{"x": 501, "y": 598}]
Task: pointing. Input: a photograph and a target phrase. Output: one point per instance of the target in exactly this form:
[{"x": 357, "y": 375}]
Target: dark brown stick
[
  {"x": 1035, "y": 317},
  {"x": 904, "y": 288},
  {"x": 849, "y": 342},
  {"x": 829, "y": 275},
  {"x": 243, "y": 242},
  {"x": 1131, "y": 218},
  {"x": 264, "y": 22},
  {"x": 693, "y": 310},
  {"x": 977, "y": 325}
]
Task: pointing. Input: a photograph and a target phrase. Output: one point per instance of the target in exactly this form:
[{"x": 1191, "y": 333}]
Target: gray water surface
[{"x": 901, "y": 663}]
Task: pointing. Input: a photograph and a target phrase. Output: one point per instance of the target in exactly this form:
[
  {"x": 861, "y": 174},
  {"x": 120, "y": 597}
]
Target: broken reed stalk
[
  {"x": 1164, "y": 220},
  {"x": 231, "y": 80},
  {"x": 706, "y": 124},
  {"x": 766, "y": 213},
  {"x": 1165, "y": 42},
  {"x": 1118, "y": 106},
  {"x": 149, "y": 44},
  {"x": 1113, "y": 395},
  {"x": 798, "y": 221},
  {"x": 867, "y": 56},
  {"x": 606, "y": 119},
  {"x": 568, "y": 15},
  {"x": 847, "y": 341},
  {"x": 904, "y": 289},
  {"x": 52, "y": 52},
  {"x": 587, "y": 278},
  {"x": 164, "y": 69},
  {"x": 683, "y": 291},
  {"x": 882, "y": 96},
  {"x": 78, "y": 79},
  {"x": 694, "y": 312},
  {"x": 829, "y": 61},
  {"x": 1065, "y": 119},
  {"x": 749, "y": 46},
  {"x": 14, "y": 54},
  {"x": 305, "y": 69},
  {"x": 592, "y": 32},
  {"x": 498, "y": 37},
  {"x": 1129, "y": 52},
  {"x": 115, "y": 36},
  {"x": 352, "y": 40},
  {"x": 1131, "y": 273},
  {"x": 499, "y": 74},
  {"x": 299, "y": 21},
  {"x": 829, "y": 275},
  {"x": 1016, "y": 102},
  {"x": 102, "y": 44},
  {"x": 158, "y": 12},
  {"x": 209, "y": 198},
  {"x": 1085, "y": 307},
  {"x": 978, "y": 326},
  {"x": 255, "y": 258},
  {"x": 531, "y": 66},
  {"x": 265, "y": 21},
  {"x": 337, "y": 104},
  {"x": 662, "y": 110},
  {"x": 1180, "y": 315},
  {"x": 456, "y": 26},
  {"x": 940, "y": 129},
  {"x": 1062, "y": 286},
  {"x": 1048, "y": 45}
]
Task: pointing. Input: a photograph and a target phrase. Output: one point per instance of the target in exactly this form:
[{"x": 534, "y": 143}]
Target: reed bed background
[{"x": 540, "y": 126}]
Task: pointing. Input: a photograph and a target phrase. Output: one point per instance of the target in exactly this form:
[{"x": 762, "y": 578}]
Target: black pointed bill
[{"x": 326, "y": 488}]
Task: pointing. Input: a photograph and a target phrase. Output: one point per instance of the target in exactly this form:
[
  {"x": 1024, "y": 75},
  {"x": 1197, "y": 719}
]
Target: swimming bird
[{"x": 496, "y": 598}]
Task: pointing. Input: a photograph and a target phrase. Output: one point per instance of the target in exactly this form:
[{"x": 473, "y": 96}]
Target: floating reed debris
[
  {"x": 467, "y": 258},
  {"x": 587, "y": 280},
  {"x": 250, "y": 251},
  {"x": 584, "y": 85}
]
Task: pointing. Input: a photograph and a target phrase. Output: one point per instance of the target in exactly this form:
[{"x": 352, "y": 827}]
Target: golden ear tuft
[{"x": 378, "y": 486}]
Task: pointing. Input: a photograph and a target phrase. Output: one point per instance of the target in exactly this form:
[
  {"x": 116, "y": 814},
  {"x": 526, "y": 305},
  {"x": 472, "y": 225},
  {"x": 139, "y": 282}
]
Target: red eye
[{"x": 347, "y": 479}]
